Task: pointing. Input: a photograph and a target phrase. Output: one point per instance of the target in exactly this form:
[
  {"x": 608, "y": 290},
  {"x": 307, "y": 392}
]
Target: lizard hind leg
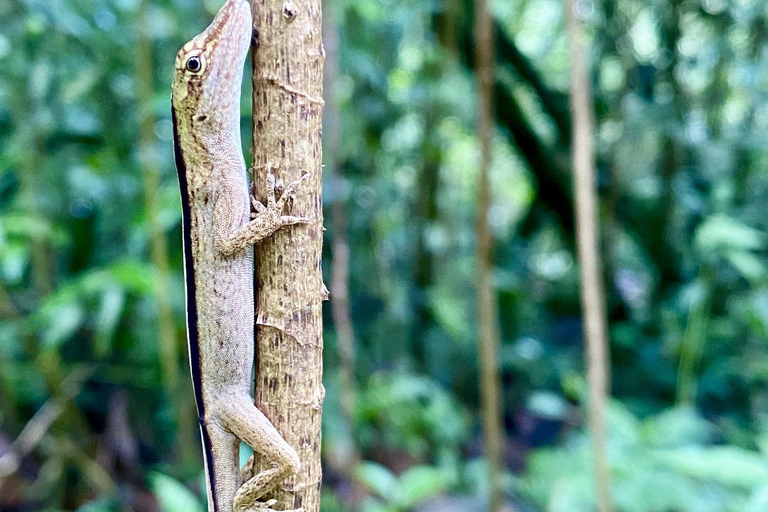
[{"x": 248, "y": 423}]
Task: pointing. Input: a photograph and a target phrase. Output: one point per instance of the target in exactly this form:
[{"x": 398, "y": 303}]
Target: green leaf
[
  {"x": 623, "y": 426},
  {"x": 112, "y": 304},
  {"x": 722, "y": 234},
  {"x": 748, "y": 265},
  {"x": 134, "y": 276},
  {"x": 379, "y": 479},
  {"x": 33, "y": 227},
  {"x": 726, "y": 465},
  {"x": 172, "y": 495},
  {"x": 63, "y": 322},
  {"x": 419, "y": 483},
  {"x": 675, "y": 428}
]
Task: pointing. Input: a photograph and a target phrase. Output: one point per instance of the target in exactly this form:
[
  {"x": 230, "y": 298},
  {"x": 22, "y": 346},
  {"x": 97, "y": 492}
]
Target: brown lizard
[{"x": 219, "y": 231}]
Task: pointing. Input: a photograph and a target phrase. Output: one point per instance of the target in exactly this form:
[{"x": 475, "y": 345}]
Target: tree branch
[
  {"x": 590, "y": 266},
  {"x": 287, "y": 121}
]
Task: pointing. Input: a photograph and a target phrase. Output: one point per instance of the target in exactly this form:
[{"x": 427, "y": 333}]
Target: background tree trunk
[
  {"x": 288, "y": 60},
  {"x": 425, "y": 217},
  {"x": 592, "y": 295},
  {"x": 347, "y": 456},
  {"x": 167, "y": 340},
  {"x": 488, "y": 309}
]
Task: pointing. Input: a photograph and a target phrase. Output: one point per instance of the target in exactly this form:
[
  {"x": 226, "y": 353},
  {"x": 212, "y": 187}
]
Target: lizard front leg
[{"x": 266, "y": 219}]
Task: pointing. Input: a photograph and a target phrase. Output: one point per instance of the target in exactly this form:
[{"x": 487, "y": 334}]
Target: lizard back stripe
[{"x": 193, "y": 341}]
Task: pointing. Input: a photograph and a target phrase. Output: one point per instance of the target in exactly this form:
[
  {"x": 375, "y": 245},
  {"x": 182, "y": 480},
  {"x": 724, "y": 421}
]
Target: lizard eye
[{"x": 194, "y": 64}]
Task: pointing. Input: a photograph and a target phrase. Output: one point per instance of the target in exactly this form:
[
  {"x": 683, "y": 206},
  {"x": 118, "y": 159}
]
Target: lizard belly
[
  {"x": 220, "y": 321},
  {"x": 225, "y": 326},
  {"x": 220, "y": 313}
]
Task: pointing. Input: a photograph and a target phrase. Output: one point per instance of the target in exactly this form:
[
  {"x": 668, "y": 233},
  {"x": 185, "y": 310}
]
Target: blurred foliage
[
  {"x": 680, "y": 96},
  {"x": 667, "y": 461}
]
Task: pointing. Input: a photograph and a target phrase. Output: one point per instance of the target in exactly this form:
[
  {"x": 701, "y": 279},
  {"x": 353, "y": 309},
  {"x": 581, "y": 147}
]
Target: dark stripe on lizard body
[{"x": 193, "y": 340}]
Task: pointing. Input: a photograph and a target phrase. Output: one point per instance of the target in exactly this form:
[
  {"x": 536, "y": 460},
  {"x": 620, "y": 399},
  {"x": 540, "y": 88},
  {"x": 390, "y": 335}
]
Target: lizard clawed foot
[
  {"x": 267, "y": 507},
  {"x": 275, "y": 207}
]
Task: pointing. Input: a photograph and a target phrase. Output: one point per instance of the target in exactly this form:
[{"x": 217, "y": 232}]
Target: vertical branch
[
  {"x": 488, "y": 312},
  {"x": 449, "y": 32},
  {"x": 692, "y": 344},
  {"x": 8, "y": 312},
  {"x": 340, "y": 308},
  {"x": 659, "y": 237},
  {"x": 592, "y": 295},
  {"x": 423, "y": 278},
  {"x": 287, "y": 120},
  {"x": 158, "y": 247}
]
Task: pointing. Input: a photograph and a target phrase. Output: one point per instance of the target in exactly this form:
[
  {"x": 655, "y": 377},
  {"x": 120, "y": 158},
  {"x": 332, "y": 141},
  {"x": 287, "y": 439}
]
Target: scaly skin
[{"x": 218, "y": 259}]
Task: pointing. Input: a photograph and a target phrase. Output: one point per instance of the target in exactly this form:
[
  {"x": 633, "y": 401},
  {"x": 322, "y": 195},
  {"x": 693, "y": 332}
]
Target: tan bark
[
  {"x": 488, "y": 309},
  {"x": 587, "y": 223},
  {"x": 287, "y": 112}
]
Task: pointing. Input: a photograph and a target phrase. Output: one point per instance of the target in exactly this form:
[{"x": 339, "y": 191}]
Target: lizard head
[{"x": 209, "y": 69}]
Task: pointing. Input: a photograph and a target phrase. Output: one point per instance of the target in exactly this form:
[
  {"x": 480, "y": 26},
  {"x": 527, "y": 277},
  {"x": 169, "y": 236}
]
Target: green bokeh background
[{"x": 680, "y": 92}]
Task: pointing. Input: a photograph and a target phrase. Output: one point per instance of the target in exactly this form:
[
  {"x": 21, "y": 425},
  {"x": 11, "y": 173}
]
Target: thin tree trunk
[
  {"x": 423, "y": 277},
  {"x": 592, "y": 294},
  {"x": 658, "y": 238},
  {"x": 340, "y": 308},
  {"x": 168, "y": 342},
  {"x": 8, "y": 313},
  {"x": 169, "y": 353},
  {"x": 488, "y": 310},
  {"x": 449, "y": 32},
  {"x": 287, "y": 119}
]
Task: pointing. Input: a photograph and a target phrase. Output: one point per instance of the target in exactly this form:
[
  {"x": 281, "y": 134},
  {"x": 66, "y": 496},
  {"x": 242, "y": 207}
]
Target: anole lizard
[{"x": 218, "y": 233}]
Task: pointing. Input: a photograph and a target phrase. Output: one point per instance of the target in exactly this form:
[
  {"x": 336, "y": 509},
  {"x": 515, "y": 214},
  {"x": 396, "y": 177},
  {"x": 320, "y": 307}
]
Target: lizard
[{"x": 219, "y": 227}]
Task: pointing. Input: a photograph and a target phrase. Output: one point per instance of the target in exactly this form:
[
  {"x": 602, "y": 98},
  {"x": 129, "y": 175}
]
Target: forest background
[{"x": 90, "y": 224}]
